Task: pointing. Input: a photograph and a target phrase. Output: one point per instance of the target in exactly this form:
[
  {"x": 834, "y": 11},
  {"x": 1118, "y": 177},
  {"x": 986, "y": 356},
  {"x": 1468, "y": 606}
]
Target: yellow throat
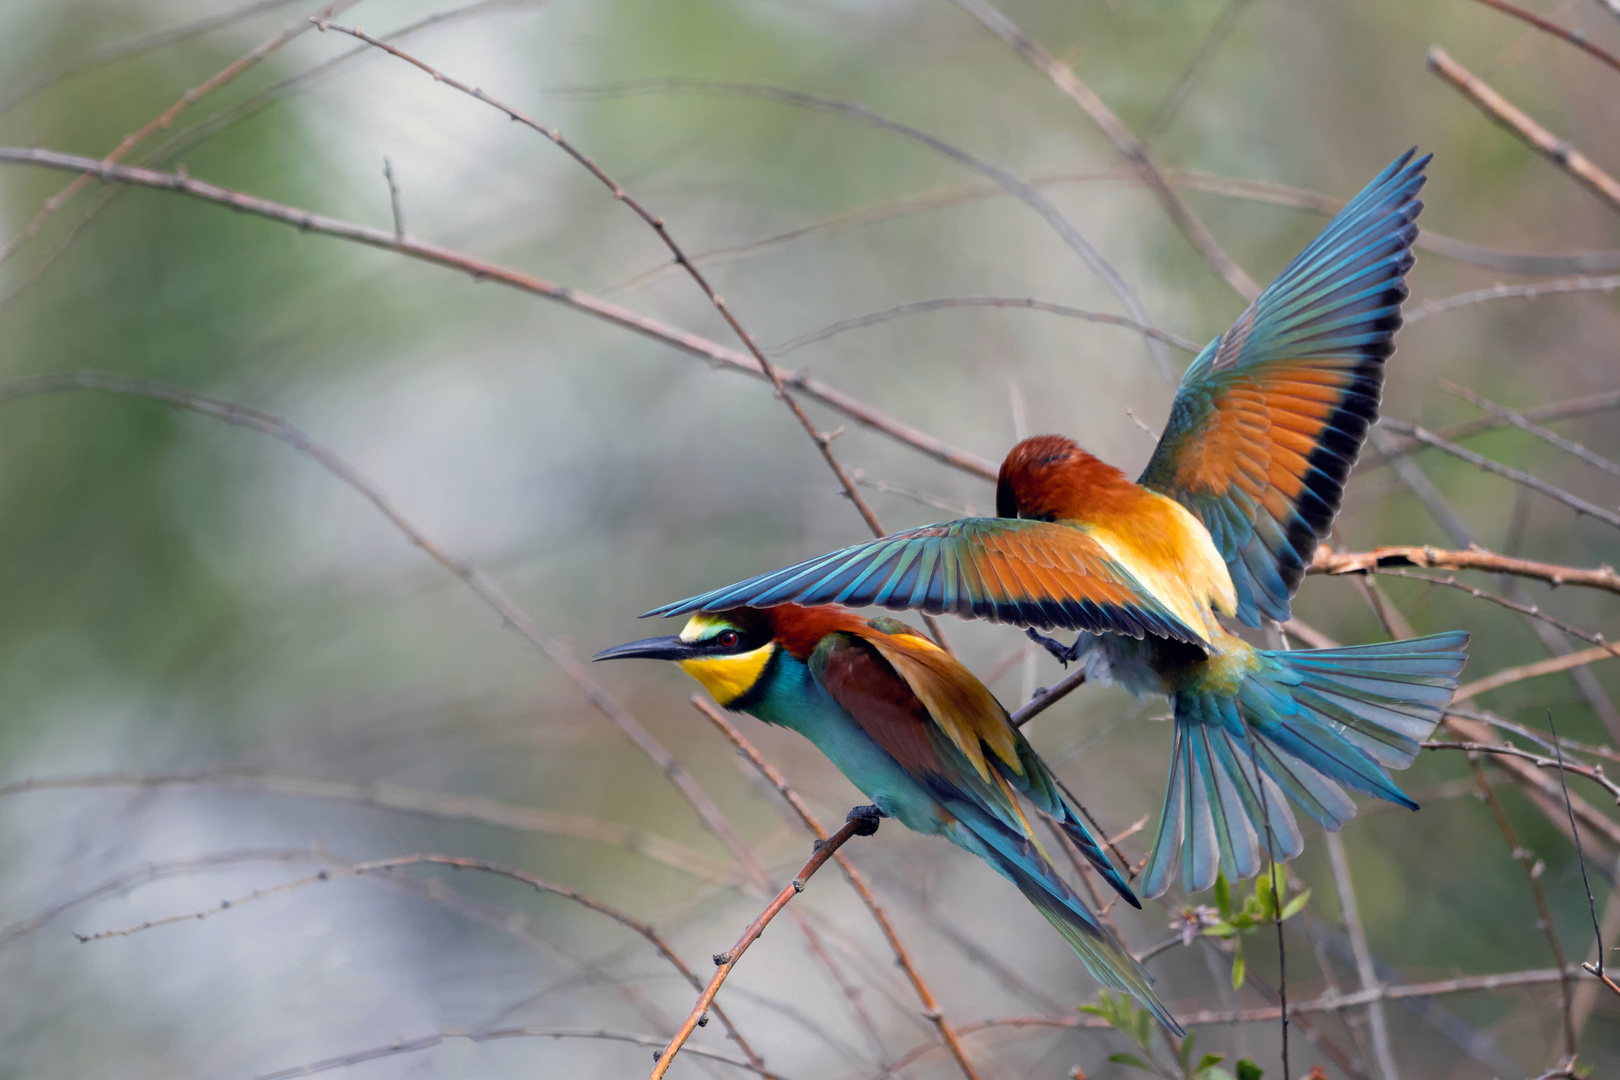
[{"x": 726, "y": 678}]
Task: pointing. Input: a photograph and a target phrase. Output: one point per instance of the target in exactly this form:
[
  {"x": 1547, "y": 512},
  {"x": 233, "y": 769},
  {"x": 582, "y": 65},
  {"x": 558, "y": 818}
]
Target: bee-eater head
[
  {"x": 727, "y": 652},
  {"x": 1049, "y": 478}
]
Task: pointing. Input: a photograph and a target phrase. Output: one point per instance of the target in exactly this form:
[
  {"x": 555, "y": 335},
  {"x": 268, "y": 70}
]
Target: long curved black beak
[{"x": 656, "y": 648}]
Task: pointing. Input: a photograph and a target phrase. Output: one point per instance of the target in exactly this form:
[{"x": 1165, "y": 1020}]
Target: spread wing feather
[
  {"x": 1029, "y": 573},
  {"x": 1270, "y": 417}
]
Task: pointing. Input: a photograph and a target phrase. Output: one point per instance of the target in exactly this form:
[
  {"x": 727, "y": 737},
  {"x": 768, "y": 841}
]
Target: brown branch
[
  {"x": 1419, "y": 312},
  {"x": 857, "y": 880},
  {"x": 1523, "y": 423},
  {"x": 1593, "y": 773},
  {"x": 482, "y": 270},
  {"x": 1521, "y": 672},
  {"x": 1126, "y": 142},
  {"x": 1330, "y": 1002},
  {"x": 941, "y": 303},
  {"x": 1045, "y": 700},
  {"x": 1532, "y": 871},
  {"x": 725, "y": 962},
  {"x": 1524, "y": 479},
  {"x": 1327, "y": 561},
  {"x": 1585, "y": 405},
  {"x": 1575, "y": 38},
  {"x": 1533, "y": 611},
  {"x": 412, "y": 801},
  {"x": 163, "y": 120},
  {"x": 1530, "y": 776},
  {"x": 1538, "y": 138}
]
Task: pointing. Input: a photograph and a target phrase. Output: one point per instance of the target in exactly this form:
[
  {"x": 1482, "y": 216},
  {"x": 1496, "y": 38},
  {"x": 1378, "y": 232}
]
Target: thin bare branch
[
  {"x": 1571, "y": 408},
  {"x": 1327, "y": 561},
  {"x": 725, "y": 962},
  {"x": 136, "y": 47},
  {"x": 1534, "y": 483},
  {"x": 1045, "y": 699},
  {"x": 1219, "y": 31},
  {"x": 412, "y": 801},
  {"x": 1593, "y": 773},
  {"x": 1576, "y": 38},
  {"x": 1417, "y": 313},
  {"x": 1538, "y": 138},
  {"x": 428, "y": 1042},
  {"x": 1518, "y": 420},
  {"x": 822, "y": 441},
  {"x": 1365, "y": 969},
  {"x": 162, "y": 121},
  {"x": 1531, "y": 610},
  {"x": 1520, "y": 672},
  {"x": 1269, "y": 1014},
  {"x": 1009, "y": 182},
  {"x": 941, "y": 303},
  {"x": 1532, "y": 871},
  {"x": 482, "y": 270},
  {"x": 1273, "y": 194},
  {"x": 1122, "y": 138},
  {"x": 857, "y": 880}
]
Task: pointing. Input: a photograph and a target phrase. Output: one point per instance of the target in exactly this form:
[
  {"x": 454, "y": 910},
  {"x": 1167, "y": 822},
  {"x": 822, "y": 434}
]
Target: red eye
[{"x": 727, "y": 639}]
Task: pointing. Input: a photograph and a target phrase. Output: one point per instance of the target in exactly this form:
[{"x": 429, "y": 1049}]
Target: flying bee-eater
[
  {"x": 919, "y": 736},
  {"x": 1250, "y": 472}
]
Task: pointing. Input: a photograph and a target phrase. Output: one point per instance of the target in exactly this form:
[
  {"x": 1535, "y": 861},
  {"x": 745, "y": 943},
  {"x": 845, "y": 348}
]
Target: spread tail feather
[{"x": 1305, "y": 725}]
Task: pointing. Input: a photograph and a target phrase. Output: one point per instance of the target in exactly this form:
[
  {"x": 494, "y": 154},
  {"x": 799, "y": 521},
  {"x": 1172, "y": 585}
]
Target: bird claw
[
  {"x": 1065, "y": 654},
  {"x": 866, "y": 819}
]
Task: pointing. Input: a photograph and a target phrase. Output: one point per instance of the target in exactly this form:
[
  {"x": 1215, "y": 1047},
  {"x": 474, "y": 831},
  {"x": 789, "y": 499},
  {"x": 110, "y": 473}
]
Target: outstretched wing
[
  {"x": 1271, "y": 416},
  {"x": 1030, "y": 573}
]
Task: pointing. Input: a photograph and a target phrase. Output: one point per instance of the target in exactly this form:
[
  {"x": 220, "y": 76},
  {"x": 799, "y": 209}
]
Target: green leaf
[
  {"x": 1144, "y": 1029},
  {"x": 1132, "y": 1060},
  {"x": 1210, "y": 1059},
  {"x": 1223, "y": 896},
  {"x": 1293, "y": 906},
  {"x": 1184, "y": 1055},
  {"x": 1248, "y": 1070},
  {"x": 1239, "y": 970},
  {"x": 1220, "y": 929}
]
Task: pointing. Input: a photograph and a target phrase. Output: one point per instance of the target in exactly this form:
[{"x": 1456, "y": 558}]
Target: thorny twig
[
  {"x": 1327, "y": 561},
  {"x": 857, "y": 880},
  {"x": 725, "y": 962}
]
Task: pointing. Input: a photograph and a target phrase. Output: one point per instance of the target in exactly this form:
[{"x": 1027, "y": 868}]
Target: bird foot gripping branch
[{"x": 867, "y": 817}]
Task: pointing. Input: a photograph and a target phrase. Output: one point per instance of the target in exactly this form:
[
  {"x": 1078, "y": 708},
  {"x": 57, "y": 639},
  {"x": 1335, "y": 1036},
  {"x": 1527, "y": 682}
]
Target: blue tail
[
  {"x": 1301, "y": 725},
  {"x": 1016, "y": 858}
]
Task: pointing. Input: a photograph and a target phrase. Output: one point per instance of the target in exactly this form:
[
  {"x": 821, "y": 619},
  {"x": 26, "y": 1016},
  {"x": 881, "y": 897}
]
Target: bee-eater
[
  {"x": 918, "y": 735},
  {"x": 1246, "y": 480}
]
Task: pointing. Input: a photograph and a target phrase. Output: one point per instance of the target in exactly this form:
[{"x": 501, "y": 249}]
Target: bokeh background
[{"x": 192, "y": 603}]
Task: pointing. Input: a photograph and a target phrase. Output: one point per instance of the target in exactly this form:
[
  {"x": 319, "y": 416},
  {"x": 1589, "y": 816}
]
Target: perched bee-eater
[
  {"x": 1248, "y": 477},
  {"x": 918, "y": 735}
]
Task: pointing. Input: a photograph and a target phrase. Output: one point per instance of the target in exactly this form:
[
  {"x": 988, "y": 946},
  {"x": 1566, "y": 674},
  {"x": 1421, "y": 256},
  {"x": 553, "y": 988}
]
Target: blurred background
[{"x": 223, "y": 670}]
